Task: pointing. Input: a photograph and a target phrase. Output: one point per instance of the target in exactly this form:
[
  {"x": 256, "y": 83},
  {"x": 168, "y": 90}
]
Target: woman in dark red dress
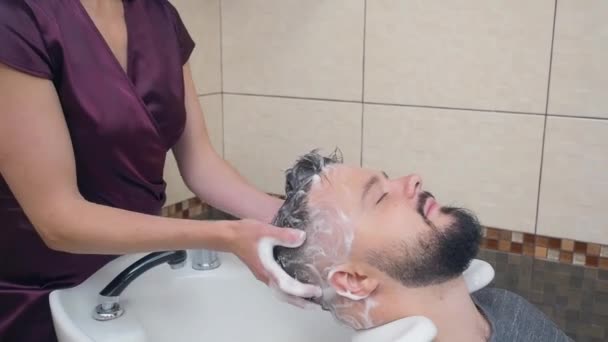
[{"x": 93, "y": 94}]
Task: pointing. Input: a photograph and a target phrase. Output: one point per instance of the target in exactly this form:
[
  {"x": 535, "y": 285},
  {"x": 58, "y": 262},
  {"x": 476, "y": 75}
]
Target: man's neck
[{"x": 448, "y": 305}]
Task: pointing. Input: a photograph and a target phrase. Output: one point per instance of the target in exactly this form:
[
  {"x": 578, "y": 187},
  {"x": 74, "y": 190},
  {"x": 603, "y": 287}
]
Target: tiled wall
[{"x": 501, "y": 106}]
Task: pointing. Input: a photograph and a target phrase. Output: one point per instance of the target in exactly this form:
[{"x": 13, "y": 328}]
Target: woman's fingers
[
  {"x": 288, "y": 237},
  {"x": 283, "y": 280},
  {"x": 255, "y": 247}
]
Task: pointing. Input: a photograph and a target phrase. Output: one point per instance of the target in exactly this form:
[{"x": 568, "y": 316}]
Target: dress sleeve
[
  {"x": 21, "y": 44},
  {"x": 186, "y": 44}
]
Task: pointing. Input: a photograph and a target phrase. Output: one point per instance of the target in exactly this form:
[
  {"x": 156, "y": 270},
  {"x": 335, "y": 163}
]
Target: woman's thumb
[{"x": 289, "y": 237}]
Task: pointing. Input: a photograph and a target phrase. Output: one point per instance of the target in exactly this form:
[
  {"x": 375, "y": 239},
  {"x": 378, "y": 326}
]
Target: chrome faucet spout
[
  {"x": 175, "y": 259},
  {"x": 204, "y": 260}
]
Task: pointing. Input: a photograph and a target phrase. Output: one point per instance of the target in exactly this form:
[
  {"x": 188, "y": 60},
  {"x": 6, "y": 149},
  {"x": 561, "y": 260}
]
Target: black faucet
[{"x": 110, "y": 308}]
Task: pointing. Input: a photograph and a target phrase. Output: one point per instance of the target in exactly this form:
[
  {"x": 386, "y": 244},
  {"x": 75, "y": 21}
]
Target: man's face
[{"x": 398, "y": 227}]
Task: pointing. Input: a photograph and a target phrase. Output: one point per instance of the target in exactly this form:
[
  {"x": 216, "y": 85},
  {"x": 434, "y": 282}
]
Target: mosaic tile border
[
  {"x": 189, "y": 208},
  {"x": 564, "y": 251},
  {"x": 192, "y": 208}
]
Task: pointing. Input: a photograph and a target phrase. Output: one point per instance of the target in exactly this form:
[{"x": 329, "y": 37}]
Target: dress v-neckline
[
  {"x": 126, "y": 74},
  {"x": 125, "y": 71}
]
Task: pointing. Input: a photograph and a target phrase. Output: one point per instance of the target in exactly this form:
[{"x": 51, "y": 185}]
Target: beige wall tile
[
  {"x": 579, "y": 75},
  {"x": 264, "y": 136},
  {"x": 212, "y": 108},
  {"x": 176, "y": 189},
  {"x": 466, "y": 54},
  {"x": 299, "y": 48},
  {"x": 202, "y": 19},
  {"x": 574, "y": 188},
  {"x": 487, "y": 162}
]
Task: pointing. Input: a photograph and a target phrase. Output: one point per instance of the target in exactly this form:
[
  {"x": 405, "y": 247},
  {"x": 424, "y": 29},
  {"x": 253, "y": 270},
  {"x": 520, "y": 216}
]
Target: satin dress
[{"x": 121, "y": 124}]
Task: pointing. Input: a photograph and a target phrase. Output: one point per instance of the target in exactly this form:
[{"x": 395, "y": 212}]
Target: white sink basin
[
  {"x": 225, "y": 304},
  {"x": 222, "y": 305}
]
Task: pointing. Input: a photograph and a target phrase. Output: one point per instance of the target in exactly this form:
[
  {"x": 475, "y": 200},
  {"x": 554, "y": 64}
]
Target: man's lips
[
  {"x": 429, "y": 206},
  {"x": 426, "y": 203}
]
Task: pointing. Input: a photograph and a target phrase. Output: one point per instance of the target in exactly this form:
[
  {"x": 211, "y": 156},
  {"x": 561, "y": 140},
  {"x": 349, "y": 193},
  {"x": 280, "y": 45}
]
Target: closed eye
[
  {"x": 381, "y": 198},
  {"x": 384, "y": 194}
]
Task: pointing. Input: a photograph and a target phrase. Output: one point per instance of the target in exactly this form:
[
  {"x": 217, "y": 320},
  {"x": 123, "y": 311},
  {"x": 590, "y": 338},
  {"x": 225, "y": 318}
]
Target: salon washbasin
[{"x": 224, "y": 304}]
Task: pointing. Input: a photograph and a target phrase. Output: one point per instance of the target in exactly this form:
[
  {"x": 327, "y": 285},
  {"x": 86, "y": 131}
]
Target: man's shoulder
[{"x": 513, "y": 318}]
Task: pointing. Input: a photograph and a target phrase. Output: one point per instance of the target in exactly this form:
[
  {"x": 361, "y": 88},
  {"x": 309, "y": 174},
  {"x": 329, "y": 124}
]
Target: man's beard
[{"x": 436, "y": 256}]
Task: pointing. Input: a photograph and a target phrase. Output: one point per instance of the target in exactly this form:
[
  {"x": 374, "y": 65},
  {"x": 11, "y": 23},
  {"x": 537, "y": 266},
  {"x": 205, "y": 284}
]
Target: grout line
[
  {"x": 363, "y": 83},
  {"x": 542, "y": 151},
  {"x": 415, "y": 106},
  {"x": 577, "y": 117},
  {"x": 380, "y": 103},
  {"x": 210, "y": 94},
  {"x": 222, "y": 81},
  {"x": 291, "y": 97},
  {"x": 221, "y": 48},
  {"x": 223, "y": 127},
  {"x": 363, "y": 61},
  {"x": 455, "y": 108},
  {"x": 551, "y": 59},
  {"x": 361, "y": 135}
]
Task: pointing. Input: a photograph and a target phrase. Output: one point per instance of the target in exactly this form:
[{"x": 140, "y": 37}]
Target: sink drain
[{"x": 108, "y": 311}]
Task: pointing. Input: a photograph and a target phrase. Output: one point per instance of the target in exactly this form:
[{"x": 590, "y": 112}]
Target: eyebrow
[{"x": 370, "y": 183}]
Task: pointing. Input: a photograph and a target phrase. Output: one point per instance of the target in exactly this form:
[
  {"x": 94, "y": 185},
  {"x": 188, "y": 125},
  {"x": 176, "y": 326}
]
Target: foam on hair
[
  {"x": 330, "y": 234},
  {"x": 295, "y": 212},
  {"x": 302, "y": 263}
]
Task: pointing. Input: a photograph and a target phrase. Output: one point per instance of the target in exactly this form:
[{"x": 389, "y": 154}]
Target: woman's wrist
[{"x": 228, "y": 232}]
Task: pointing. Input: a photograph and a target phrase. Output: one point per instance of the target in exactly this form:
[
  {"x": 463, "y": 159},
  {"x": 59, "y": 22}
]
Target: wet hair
[{"x": 296, "y": 213}]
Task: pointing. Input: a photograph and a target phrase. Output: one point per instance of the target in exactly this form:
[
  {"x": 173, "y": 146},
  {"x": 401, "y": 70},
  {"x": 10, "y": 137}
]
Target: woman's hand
[{"x": 254, "y": 244}]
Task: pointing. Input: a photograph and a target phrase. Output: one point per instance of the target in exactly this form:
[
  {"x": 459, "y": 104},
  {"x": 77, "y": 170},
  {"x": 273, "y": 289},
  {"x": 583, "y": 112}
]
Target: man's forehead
[
  {"x": 341, "y": 180},
  {"x": 345, "y": 173}
]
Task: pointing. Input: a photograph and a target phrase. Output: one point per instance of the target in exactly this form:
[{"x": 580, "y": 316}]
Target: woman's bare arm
[{"x": 208, "y": 175}]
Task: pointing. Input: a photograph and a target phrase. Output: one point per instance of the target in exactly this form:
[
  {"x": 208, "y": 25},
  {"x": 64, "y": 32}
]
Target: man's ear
[{"x": 349, "y": 283}]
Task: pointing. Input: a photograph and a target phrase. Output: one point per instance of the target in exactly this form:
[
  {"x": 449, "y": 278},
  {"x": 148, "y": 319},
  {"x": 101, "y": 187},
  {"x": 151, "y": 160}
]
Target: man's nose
[{"x": 412, "y": 185}]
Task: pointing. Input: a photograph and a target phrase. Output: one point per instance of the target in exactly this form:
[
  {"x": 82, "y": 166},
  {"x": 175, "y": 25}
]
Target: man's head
[{"x": 365, "y": 231}]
